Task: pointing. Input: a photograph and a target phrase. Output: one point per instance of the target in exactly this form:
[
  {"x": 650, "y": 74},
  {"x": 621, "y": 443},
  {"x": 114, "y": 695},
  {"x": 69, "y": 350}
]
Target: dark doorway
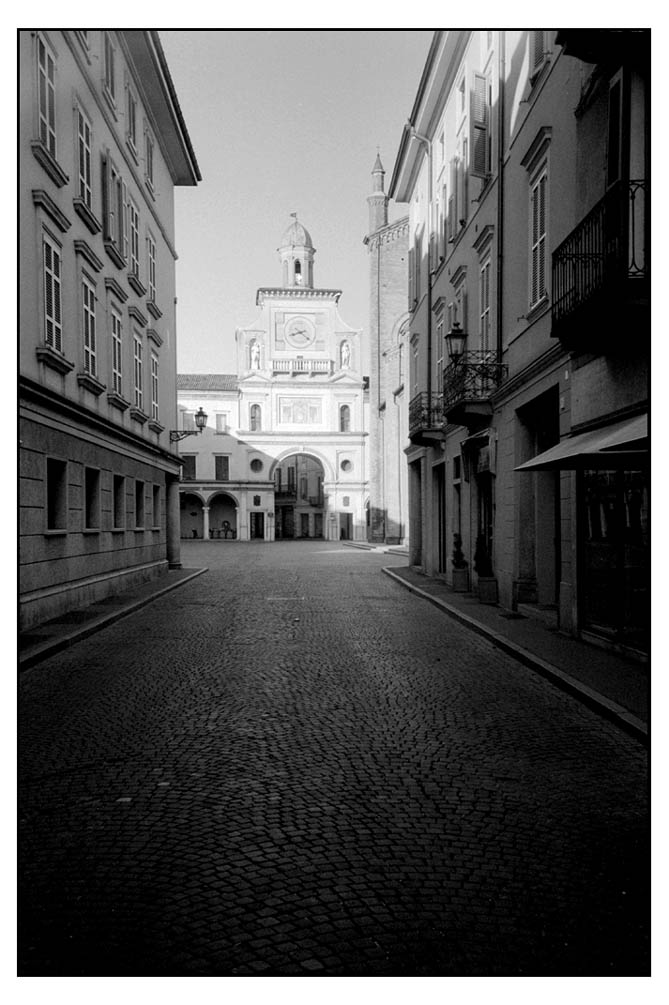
[{"x": 257, "y": 526}]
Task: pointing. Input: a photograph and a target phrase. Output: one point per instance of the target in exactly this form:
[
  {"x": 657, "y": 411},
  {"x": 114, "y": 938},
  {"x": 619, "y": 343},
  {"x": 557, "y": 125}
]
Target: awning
[{"x": 623, "y": 444}]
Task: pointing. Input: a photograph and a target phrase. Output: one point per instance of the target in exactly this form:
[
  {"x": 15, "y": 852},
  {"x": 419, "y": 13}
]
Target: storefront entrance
[{"x": 616, "y": 555}]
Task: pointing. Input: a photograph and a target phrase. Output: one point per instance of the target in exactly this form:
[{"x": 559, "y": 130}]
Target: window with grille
[
  {"x": 345, "y": 419},
  {"x": 117, "y": 351},
  {"x": 90, "y": 341},
  {"x": 133, "y": 219},
  {"x": 56, "y": 494},
  {"x": 53, "y": 323},
  {"x": 139, "y": 374},
  {"x": 118, "y": 502},
  {"x": 139, "y": 504},
  {"x": 91, "y": 499},
  {"x": 84, "y": 180},
  {"x": 151, "y": 256},
  {"x": 538, "y": 194},
  {"x": 109, "y": 67},
  {"x": 156, "y": 505},
  {"x": 222, "y": 467},
  {"x": 154, "y": 387},
  {"x": 484, "y": 305},
  {"x": 46, "y": 71}
]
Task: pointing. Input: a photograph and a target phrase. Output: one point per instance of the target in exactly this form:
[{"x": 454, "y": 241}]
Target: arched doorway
[
  {"x": 191, "y": 515},
  {"x": 299, "y": 502},
  {"x": 222, "y": 517}
]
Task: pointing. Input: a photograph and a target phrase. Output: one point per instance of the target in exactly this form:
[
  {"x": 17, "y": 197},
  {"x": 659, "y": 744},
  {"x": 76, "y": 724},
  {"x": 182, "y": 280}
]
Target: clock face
[{"x": 299, "y": 332}]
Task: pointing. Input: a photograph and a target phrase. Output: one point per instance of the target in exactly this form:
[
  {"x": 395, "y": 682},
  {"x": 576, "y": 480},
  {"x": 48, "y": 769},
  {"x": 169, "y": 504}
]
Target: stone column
[
  {"x": 205, "y": 523},
  {"x": 173, "y": 524}
]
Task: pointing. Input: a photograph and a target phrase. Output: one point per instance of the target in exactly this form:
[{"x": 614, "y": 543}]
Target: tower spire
[{"x": 378, "y": 200}]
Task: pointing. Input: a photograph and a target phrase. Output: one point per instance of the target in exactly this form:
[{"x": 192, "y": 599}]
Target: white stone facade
[{"x": 299, "y": 392}]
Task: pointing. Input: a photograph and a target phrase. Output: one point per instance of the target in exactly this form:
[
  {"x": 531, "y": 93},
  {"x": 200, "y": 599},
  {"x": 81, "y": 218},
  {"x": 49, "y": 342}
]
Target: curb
[
  {"x": 50, "y": 647},
  {"x": 599, "y": 703}
]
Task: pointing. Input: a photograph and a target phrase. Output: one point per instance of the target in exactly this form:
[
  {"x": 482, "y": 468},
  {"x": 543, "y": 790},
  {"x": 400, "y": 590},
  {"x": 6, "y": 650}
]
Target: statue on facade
[
  {"x": 345, "y": 355},
  {"x": 255, "y": 355}
]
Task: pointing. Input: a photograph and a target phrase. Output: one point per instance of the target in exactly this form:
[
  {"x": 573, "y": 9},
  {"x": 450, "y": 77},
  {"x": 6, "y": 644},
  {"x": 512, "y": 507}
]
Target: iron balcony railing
[
  {"x": 472, "y": 377},
  {"x": 425, "y": 413},
  {"x": 606, "y": 249}
]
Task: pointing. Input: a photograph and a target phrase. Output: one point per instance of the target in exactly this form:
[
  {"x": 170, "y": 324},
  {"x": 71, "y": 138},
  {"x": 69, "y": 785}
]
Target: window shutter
[
  {"x": 107, "y": 200},
  {"x": 412, "y": 293},
  {"x": 123, "y": 242},
  {"x": 478, "y": 126},
  {"x": 536, "y": 49},
  {"x": 461, "y": 189},
  {"x": 452, "y": 199}
]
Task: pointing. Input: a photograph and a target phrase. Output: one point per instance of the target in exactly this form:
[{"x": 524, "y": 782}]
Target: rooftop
[{"x": 207, "y": 382}]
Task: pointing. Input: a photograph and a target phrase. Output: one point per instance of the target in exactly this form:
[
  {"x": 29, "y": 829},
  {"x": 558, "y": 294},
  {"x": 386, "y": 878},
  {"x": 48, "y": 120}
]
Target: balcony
[
  {"x": 425, "y": 419},
  {"x": 302, "y": 365},
  {"x": 469, "y": 383},
  {"x": 600, "y": 275}
]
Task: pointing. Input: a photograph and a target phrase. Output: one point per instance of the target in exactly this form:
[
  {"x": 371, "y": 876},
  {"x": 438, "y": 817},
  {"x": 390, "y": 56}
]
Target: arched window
[
  {"x": 256, "y": 419},
  {"x": 344, "y": 419},
  {"x": 298, "y": 272}
]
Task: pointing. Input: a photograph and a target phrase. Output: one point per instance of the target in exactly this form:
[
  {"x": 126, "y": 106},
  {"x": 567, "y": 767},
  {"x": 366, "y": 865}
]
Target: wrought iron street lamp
[
  {"x": 455, "y": 342},
  {"x": 200, "y": 422}
]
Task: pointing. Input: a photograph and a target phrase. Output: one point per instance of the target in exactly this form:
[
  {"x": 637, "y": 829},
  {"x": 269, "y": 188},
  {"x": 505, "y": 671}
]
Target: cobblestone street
[{"x": 292, "y": 765}]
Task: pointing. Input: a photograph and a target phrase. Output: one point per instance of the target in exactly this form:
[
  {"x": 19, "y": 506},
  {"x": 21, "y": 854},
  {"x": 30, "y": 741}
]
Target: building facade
[
  {"x": 389, "y": 330},
  {"x": 102, "y": 145},
  {"x": 283, "y": 454},
  {"x": 525, "y": 165}
]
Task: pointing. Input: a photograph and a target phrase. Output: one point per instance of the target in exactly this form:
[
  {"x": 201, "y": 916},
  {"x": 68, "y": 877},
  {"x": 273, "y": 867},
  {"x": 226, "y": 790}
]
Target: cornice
[
  {"x": 294, "y": 293},
  {"x": 30, "y": 389},
  {"x": 385, "y": 235}
]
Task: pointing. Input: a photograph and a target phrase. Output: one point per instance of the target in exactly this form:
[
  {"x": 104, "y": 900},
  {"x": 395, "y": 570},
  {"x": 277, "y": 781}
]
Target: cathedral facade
[{"x": 283, "y": 452}]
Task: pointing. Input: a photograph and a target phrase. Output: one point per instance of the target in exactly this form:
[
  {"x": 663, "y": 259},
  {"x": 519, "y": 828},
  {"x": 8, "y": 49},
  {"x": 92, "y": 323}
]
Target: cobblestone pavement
[{"x": 290, "y": 765}]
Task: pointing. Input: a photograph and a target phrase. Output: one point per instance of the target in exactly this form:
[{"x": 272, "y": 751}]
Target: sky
[{"x": 281, "y": 121}]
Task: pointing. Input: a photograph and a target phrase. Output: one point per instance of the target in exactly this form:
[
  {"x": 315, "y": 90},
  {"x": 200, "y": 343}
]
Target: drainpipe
[
  {"x": 428, "y": 144},
  {"x": 500, "y": 186}
]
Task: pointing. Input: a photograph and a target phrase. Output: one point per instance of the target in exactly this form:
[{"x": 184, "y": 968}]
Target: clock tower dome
[{"x": 297, "y": 256}]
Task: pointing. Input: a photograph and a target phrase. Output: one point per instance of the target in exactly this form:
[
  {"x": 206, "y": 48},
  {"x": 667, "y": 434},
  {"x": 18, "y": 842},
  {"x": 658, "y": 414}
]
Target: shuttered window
[
  {"x": 46, "y": 71},
  {"x": 222, "y": 462},
  {"x": 412, "y": 284},
  {"x": 479, "y": 126},
  {"x": 151, "y": 256},
  {"x": 53, "y": 323},
  {"x": 484, "y": 305},
  {"x": 84, "y": 183},
  {"x": 538, "y": 239},
  {"x": 90, "y": 340},
  {"x": 133, "y": 221},
  {"x": 114, "y": 206},
  {"x": 139, "y": 374},
  {"x": 154, "y": 387},
  {"x": 117, "y": 351},
  {"x": 538, "y": 51},
  {"x": 109, "y": 67}
]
